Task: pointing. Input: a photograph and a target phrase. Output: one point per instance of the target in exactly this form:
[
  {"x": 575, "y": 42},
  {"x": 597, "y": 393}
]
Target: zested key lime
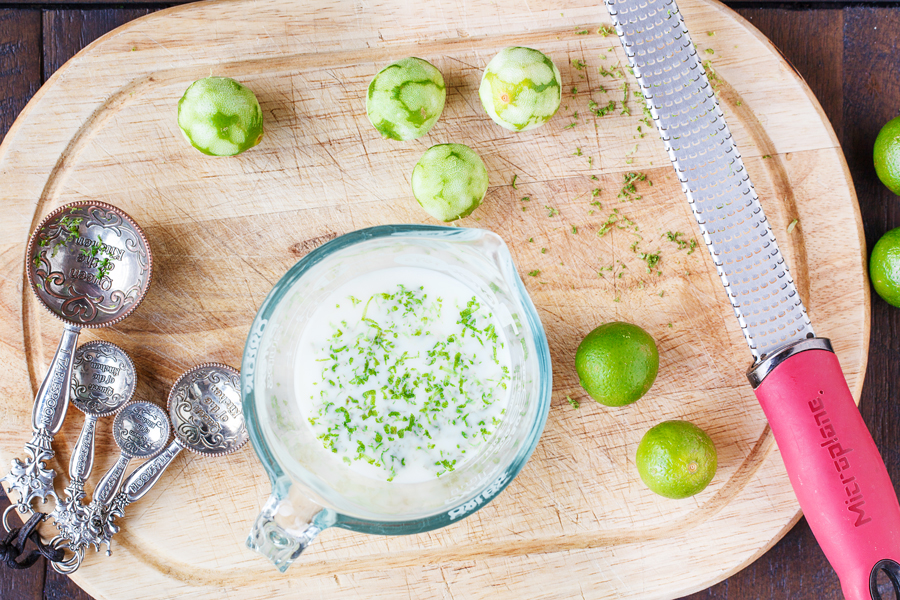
[
  {"x": 520, "y": 88},
  {"x": 405, "y": 99},
  {"x": 449, "y": 181},
  {"x": 617, "y": 363},
  {"x": 220, "y": 117},
  {"x": 676, "y": 459}
]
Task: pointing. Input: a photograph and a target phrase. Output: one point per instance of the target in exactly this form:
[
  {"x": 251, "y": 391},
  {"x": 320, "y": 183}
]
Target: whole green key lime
[
  {"x": 884, "y": 267},
  {"x": 676, "y": 459},
  {"x": 405, "y": 99},
  {"x": 220, "y": 117},
  {"x": 887, "y": 155},
  {"x": 449, "y": 181},
  {"x": 617, "y": 363},
  {"x": 520, "y": 88}
]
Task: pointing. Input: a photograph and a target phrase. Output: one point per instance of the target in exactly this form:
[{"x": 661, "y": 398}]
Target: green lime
[
  {"x": 884, "y": 267},
  {"x": 617, "y": 363},
  {"x": 405, "y": 99},
  {"x": 676, "y": 459},
  {"x": 449, "y": 181},
  {"x": 220, "y": 117},
  {"x": 887, "y": 155},
  {"x": 520, "y": 88}
]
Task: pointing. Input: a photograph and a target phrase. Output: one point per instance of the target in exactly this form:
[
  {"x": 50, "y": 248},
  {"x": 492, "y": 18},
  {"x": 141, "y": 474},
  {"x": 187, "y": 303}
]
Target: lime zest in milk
[{"x": 408, "y": 381}]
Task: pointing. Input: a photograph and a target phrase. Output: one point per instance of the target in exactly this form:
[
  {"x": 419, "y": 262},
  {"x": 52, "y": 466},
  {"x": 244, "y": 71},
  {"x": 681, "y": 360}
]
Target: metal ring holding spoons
[
  {"x": 103, "y": 382},
  {"x": 207, "y": 418},
  {"x": 90, "y": 265},
  {"x": 69, "y": 565}
]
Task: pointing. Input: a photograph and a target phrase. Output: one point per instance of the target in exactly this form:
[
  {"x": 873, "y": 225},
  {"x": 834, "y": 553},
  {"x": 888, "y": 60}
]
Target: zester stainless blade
[{"x": 712, "y": 174}]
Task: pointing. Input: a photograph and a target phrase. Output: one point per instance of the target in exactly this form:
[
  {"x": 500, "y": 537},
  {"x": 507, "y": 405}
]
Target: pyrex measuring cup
[{"x": 312, "y": 489}]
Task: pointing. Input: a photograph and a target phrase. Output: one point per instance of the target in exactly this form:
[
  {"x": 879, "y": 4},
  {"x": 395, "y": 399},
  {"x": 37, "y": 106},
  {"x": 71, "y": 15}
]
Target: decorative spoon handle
[
  {"x": 109, "y": 484},
  {"x": 133, "y": 489},
  {"x": 32, "y": 479},
  {"x": 70, "y": 513},
  {"x": 82, "y": 462}
]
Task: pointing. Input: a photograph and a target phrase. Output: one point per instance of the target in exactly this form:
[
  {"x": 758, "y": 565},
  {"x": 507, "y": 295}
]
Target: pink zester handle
[{"x": 835, "y": 469}]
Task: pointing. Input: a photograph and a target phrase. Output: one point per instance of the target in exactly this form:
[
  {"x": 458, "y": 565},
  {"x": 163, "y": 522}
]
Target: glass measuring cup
[{"x": 311, "y": 488}]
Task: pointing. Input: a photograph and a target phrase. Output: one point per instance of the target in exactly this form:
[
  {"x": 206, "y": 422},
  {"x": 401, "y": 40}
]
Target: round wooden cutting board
[{"x": 577, "y": 522}]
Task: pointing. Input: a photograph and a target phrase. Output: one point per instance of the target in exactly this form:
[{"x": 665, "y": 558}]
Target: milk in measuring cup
[{"x": 403, "y": 373}]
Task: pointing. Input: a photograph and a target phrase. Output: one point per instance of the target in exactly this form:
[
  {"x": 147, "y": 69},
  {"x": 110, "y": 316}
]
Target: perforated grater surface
[{"x": 712, "y": 174}]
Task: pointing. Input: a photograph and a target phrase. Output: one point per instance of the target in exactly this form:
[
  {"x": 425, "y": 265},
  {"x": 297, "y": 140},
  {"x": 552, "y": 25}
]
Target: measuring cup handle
[{"x": 286, "y": 526}]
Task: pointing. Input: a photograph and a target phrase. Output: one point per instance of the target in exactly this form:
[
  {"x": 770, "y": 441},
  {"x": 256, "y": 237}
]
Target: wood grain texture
[
  {"x": 175, "y": 328},
  {"x": 20, "y": 78},
  {"x": 20, "y": 62},
  {"x": 65, "y": 32},
  {"x": 870, "y": 101},
  {"x": 28, "y": 40},
  {"x": 820, "y": 63}
]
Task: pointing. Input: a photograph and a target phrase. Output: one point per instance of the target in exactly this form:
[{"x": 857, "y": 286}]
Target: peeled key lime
[
  {"x": 449, "y": 181},
  {"x": 676, "y": 459},
  {"x": 520, "y": 88},
  {"x": 220, "y": 117},
  {"x": 405, "y": 99}
]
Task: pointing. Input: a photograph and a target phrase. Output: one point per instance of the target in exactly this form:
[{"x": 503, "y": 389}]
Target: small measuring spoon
[
  {"x": 205, "y": 408},
  {"x": 103, "y": 381},
  {"x": 90, "y": 265},
  {"x": 141, "y": 430}
]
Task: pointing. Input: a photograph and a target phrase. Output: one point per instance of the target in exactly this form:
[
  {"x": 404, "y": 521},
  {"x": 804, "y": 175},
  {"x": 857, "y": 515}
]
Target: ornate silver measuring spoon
[
  {"x": 141, "y": 430},
  {"x": 90, "y": 265},
  {"x": 103, "y": 381},
  {"x": 207, "y": 418}
]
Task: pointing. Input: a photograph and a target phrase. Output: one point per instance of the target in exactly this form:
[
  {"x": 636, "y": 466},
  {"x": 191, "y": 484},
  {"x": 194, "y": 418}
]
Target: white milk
[{"x": 403, "y": 373}]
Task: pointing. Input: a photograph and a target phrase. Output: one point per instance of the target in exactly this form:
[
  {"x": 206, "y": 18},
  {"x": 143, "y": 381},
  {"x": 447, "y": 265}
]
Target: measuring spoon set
[{"x": 90, "y": 265}]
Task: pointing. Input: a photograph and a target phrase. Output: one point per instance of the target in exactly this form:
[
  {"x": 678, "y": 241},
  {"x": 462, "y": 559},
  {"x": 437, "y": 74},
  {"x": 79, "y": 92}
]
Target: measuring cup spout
[{"x": 287, "y": 525}]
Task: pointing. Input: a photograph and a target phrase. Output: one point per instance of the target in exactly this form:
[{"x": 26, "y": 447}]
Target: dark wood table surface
[{"x": 847, "y": 52}]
